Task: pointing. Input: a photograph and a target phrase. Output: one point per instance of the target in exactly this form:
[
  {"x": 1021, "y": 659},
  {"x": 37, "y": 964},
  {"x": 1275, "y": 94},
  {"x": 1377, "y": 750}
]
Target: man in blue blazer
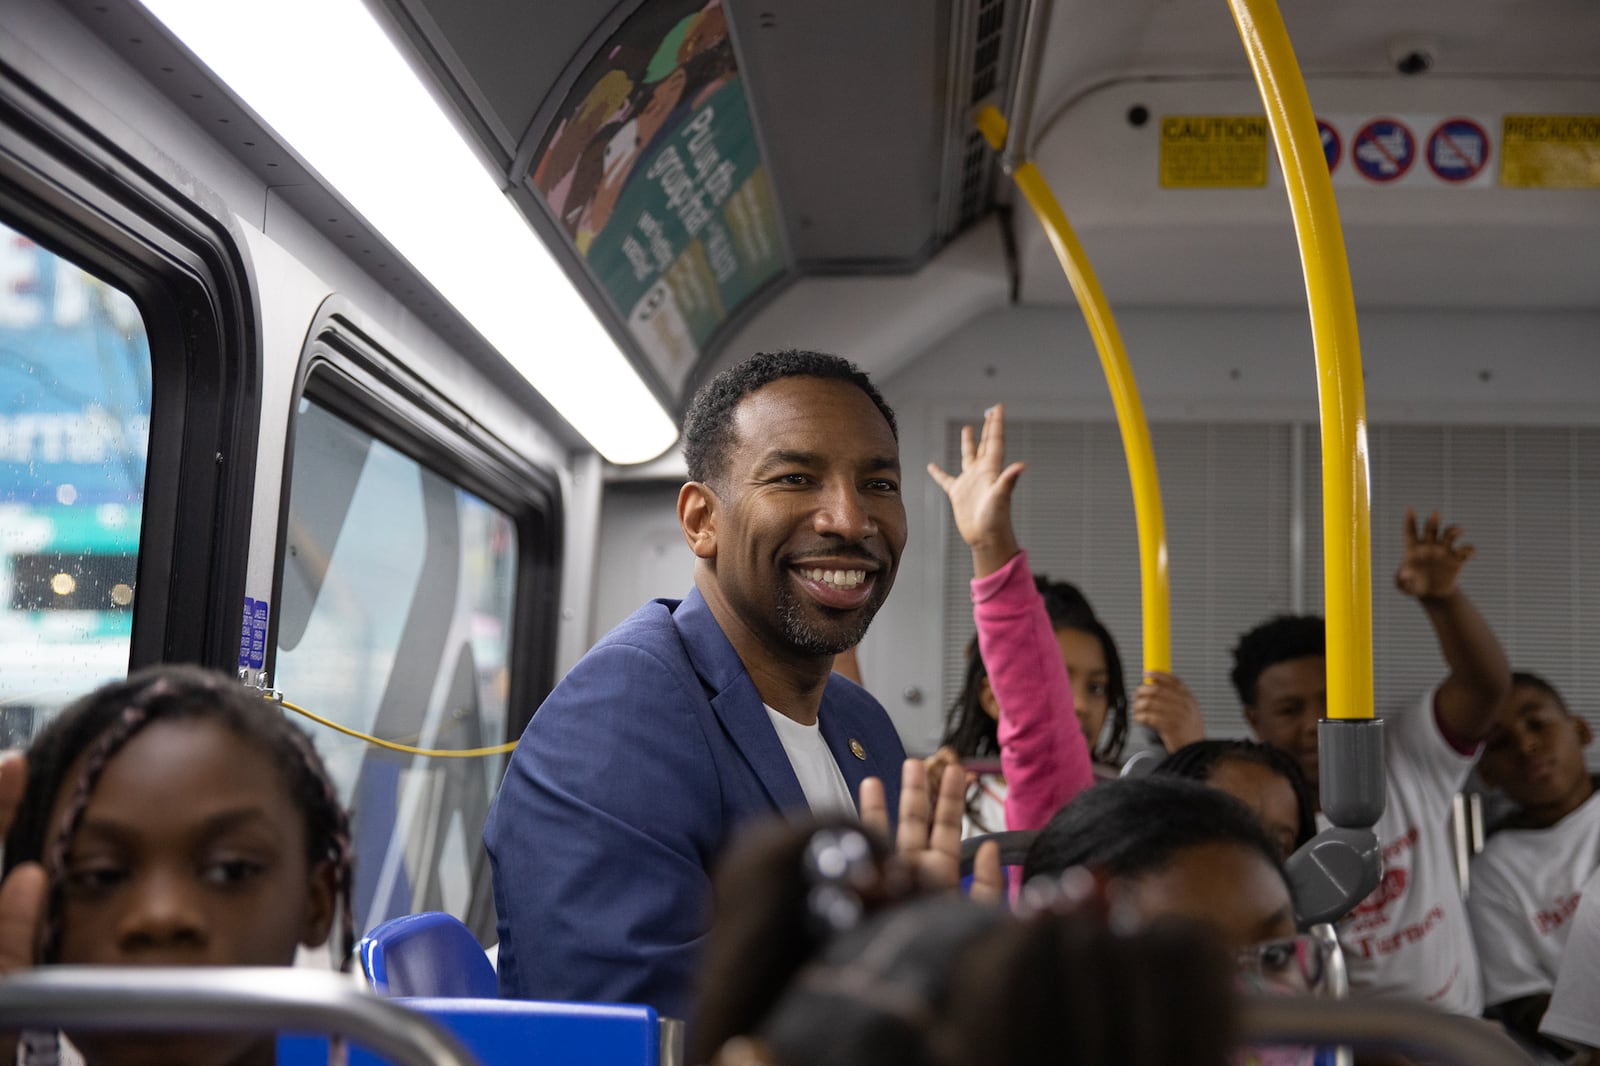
[{"x": 695, "y": 716}]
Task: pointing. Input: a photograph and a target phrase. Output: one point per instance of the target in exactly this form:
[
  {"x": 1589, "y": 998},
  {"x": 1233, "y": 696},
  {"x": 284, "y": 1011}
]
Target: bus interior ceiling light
[{"x": 365, "y": 122}]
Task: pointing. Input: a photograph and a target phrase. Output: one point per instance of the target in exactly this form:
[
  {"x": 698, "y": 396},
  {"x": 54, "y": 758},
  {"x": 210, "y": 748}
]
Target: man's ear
[
  {"x": 1585, "y": 734},
  {"x": 321, "y": 904},
  {"x": 697, "y": 517}
]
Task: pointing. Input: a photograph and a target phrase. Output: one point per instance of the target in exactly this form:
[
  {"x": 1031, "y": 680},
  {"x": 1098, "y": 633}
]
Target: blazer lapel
[
  {"x": 736, "y": 702},
  {"x": 856, "y": 761}
]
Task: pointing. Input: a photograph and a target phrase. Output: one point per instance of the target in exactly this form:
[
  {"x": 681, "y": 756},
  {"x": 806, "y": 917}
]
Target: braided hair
[
  {"x": 1196, "y": 761},
  {"x": 99, "y": 725}
]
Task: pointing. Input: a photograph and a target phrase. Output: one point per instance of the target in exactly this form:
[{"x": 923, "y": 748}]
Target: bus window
[
  {"x": 74, "y": 431},
  {"x": 397, "y": 598}
]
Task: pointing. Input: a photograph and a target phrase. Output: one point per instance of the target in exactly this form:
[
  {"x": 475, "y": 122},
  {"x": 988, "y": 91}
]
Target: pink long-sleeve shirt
[{"x": 1042, "y": 751}]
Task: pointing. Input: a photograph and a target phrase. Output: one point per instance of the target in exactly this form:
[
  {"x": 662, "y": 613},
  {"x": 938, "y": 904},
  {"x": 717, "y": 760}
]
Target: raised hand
[
  {"x": 22, "y": 893},
  {"x": 980, "y": 496},
  {"x": 1432, "y": 560},
  {"x": 1165, "y": 704},
  {"x": 930, "y": 848}
]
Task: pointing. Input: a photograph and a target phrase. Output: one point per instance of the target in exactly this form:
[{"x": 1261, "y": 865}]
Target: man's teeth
[{"x": 842, "y": 579}]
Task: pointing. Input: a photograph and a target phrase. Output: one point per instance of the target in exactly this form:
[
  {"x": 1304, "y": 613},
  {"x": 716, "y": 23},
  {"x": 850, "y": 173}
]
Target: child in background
[
  {"x": 1262, "y": 778},
  {"x": 1044, "y": 686},
  {"x": 1527, "y": 883},
  {"x": 172, "y": 819}
]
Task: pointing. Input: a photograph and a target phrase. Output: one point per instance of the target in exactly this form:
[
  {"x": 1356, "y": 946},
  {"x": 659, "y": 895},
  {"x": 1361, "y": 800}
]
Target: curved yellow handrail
[
  {"x": 1156, "y": 602},
  {"x": 1346, "y": 534},
  {"x": 392, "y": 745}
]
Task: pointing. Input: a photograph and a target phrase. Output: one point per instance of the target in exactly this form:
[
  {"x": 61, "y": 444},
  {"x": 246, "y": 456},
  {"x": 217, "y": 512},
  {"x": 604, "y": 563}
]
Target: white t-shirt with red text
[
  {"x": 1574, "y": 1012},
  {"x": 1525, "y": 888},
  {"x": 1410, "y": 938}
]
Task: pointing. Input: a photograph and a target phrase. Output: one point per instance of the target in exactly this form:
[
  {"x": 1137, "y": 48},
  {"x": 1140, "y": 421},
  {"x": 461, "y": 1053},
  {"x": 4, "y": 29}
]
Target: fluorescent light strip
[{"x": 329, "y": 81}]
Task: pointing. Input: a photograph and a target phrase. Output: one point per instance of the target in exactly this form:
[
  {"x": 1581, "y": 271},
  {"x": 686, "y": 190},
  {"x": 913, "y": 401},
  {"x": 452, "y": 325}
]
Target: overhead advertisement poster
[{"x": 652, "y": 168}]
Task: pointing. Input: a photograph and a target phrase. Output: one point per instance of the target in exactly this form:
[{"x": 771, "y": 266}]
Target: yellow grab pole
[
  {"x": 1124, "y": 397},
  {"x": 1346, "y": 535}
]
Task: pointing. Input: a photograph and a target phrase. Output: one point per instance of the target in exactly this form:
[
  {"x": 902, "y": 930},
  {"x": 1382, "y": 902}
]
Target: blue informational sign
[
  {"x": 1458, "y": 150},
  {"x": 253, "y": 635},
  {"x": 1383, "y": 150},
  {"x": 1332, "y": 147}
]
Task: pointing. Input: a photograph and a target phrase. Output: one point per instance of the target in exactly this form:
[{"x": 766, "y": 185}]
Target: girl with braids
[
  {"x": 1044, "y": 682},
  {"x": 172, "y": 819},
  {"x": 1262, "y": 778}
]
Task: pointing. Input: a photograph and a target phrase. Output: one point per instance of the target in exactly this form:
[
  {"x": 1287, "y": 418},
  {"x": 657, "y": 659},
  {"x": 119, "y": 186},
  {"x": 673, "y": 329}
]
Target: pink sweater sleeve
[{"x": 1042, "y": 750}]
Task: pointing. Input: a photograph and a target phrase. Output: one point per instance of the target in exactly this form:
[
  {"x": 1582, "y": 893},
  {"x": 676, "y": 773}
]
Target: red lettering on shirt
[
  {"x": 1411, "y": 934},
  {"x": 1549, "y": 921}
]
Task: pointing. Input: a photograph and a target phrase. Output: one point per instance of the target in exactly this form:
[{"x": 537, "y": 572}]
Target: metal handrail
[
  {"x": 223, "y": 999},
  {"x": 1376, "y": 1025}
]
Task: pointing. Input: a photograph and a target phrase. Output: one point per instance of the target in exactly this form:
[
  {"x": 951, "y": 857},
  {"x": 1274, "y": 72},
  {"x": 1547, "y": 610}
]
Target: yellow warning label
[
  {"x": 1551, "y": 152},
  {"x": 1213, "y": 151}
]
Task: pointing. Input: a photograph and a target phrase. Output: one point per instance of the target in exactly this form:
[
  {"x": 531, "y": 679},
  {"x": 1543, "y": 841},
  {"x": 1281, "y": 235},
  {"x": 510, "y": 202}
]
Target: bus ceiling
[{"x": 860, "y": 114}]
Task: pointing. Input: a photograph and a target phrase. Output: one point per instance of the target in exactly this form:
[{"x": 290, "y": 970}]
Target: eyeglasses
[{"x": 1296, "y": 965}]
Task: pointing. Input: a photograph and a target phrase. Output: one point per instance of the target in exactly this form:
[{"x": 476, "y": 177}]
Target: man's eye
[
  {"x": 883, "y": 485},
  {"x": 792, "y": 479}
]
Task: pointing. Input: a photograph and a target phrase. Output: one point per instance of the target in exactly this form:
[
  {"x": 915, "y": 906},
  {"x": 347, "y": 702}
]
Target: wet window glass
[{"x": 74, "y": 431}]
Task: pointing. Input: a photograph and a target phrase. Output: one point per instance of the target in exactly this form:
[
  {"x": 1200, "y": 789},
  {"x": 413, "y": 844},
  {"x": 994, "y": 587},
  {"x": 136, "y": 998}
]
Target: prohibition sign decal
[
  {"x": 1458, "y": 148},
  {"x": 1384, "y": 150},
  {"x": 1332, "y": 148}
]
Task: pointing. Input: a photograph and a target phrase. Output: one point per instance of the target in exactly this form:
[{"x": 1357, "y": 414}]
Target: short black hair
[
  {"x": 1197, "y": 761},
  {"x": 1135, "y": 825},
  {"x": 1286, "y": 637},
  {"x": 708, "y": 422},
  {"x": 1528, "y": 679},
  {"x": 100, "y": 724}
]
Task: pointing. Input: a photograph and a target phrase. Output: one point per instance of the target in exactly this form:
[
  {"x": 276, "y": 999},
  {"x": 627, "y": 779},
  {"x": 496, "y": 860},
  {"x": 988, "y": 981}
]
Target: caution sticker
[
  {"x": 1550, "y": 152},
  {"x": 1213, "y": 151}
]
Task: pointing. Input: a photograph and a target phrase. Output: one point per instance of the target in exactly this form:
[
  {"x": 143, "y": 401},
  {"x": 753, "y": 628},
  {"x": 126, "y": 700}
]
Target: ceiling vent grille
[{"x": 986, "y": 37}]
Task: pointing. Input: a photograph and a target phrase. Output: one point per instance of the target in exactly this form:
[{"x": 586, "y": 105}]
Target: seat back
[
  {"x": 513, "y": 1032},
  {"x": 428, "y": 954}
]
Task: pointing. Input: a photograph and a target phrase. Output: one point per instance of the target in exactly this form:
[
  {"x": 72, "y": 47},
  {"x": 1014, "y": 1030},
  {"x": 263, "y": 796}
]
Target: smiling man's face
[{"x": 808, "y": 522}]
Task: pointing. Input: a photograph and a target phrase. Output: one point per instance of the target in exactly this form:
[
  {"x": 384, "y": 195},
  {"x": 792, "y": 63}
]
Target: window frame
[
  {"x": 76, "y": 191},
  {"x": 360, "y": 380}
]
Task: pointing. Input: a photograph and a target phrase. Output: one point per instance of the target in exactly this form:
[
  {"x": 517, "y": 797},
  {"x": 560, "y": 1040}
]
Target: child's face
[
  {"x": 190, "y": 853},
  {"x": 1291, "y": 698},
  {"x": 1534, "y": 754}
]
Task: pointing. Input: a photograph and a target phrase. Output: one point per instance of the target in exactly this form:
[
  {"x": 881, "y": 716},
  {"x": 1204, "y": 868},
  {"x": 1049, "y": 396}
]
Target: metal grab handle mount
[{"x": 223, "y": 999}]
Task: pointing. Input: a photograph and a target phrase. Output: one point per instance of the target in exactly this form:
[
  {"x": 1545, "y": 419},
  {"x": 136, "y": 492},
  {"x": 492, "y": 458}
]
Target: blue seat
[
  {"x": 429, "y": 954},
  {"x": 506, "y": 1032}
]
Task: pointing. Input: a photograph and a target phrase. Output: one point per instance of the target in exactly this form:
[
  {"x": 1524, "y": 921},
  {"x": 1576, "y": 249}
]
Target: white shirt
[
  {"x": 1411, "y": 939},
  {"x": 820, "y": 777},
  {"x": 986, "y": 805},
  {"x": 1574, "y": 1012},
  {"x": 1525, "y": 889}
]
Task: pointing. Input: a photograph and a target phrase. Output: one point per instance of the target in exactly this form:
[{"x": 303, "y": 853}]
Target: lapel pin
[{"x": 857, "y": 750}]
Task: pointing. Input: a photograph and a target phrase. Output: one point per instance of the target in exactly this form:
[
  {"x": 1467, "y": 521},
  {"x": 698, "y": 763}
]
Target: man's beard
[{"x": 830, "y": 638}]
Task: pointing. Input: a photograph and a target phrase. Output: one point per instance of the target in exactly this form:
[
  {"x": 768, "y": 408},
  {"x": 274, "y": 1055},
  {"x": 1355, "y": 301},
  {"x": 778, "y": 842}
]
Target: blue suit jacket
[{"x": 622, "y": 793}]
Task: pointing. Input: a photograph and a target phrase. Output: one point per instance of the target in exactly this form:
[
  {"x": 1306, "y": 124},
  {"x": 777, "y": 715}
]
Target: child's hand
[
  {"x": 22, "y": 893},
  {"x": 931, "y": 847},
  {"x": 980, "y": 497},
  {"x": 1165, "y": 704},
  {"x": 1433, "y": 560}
]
